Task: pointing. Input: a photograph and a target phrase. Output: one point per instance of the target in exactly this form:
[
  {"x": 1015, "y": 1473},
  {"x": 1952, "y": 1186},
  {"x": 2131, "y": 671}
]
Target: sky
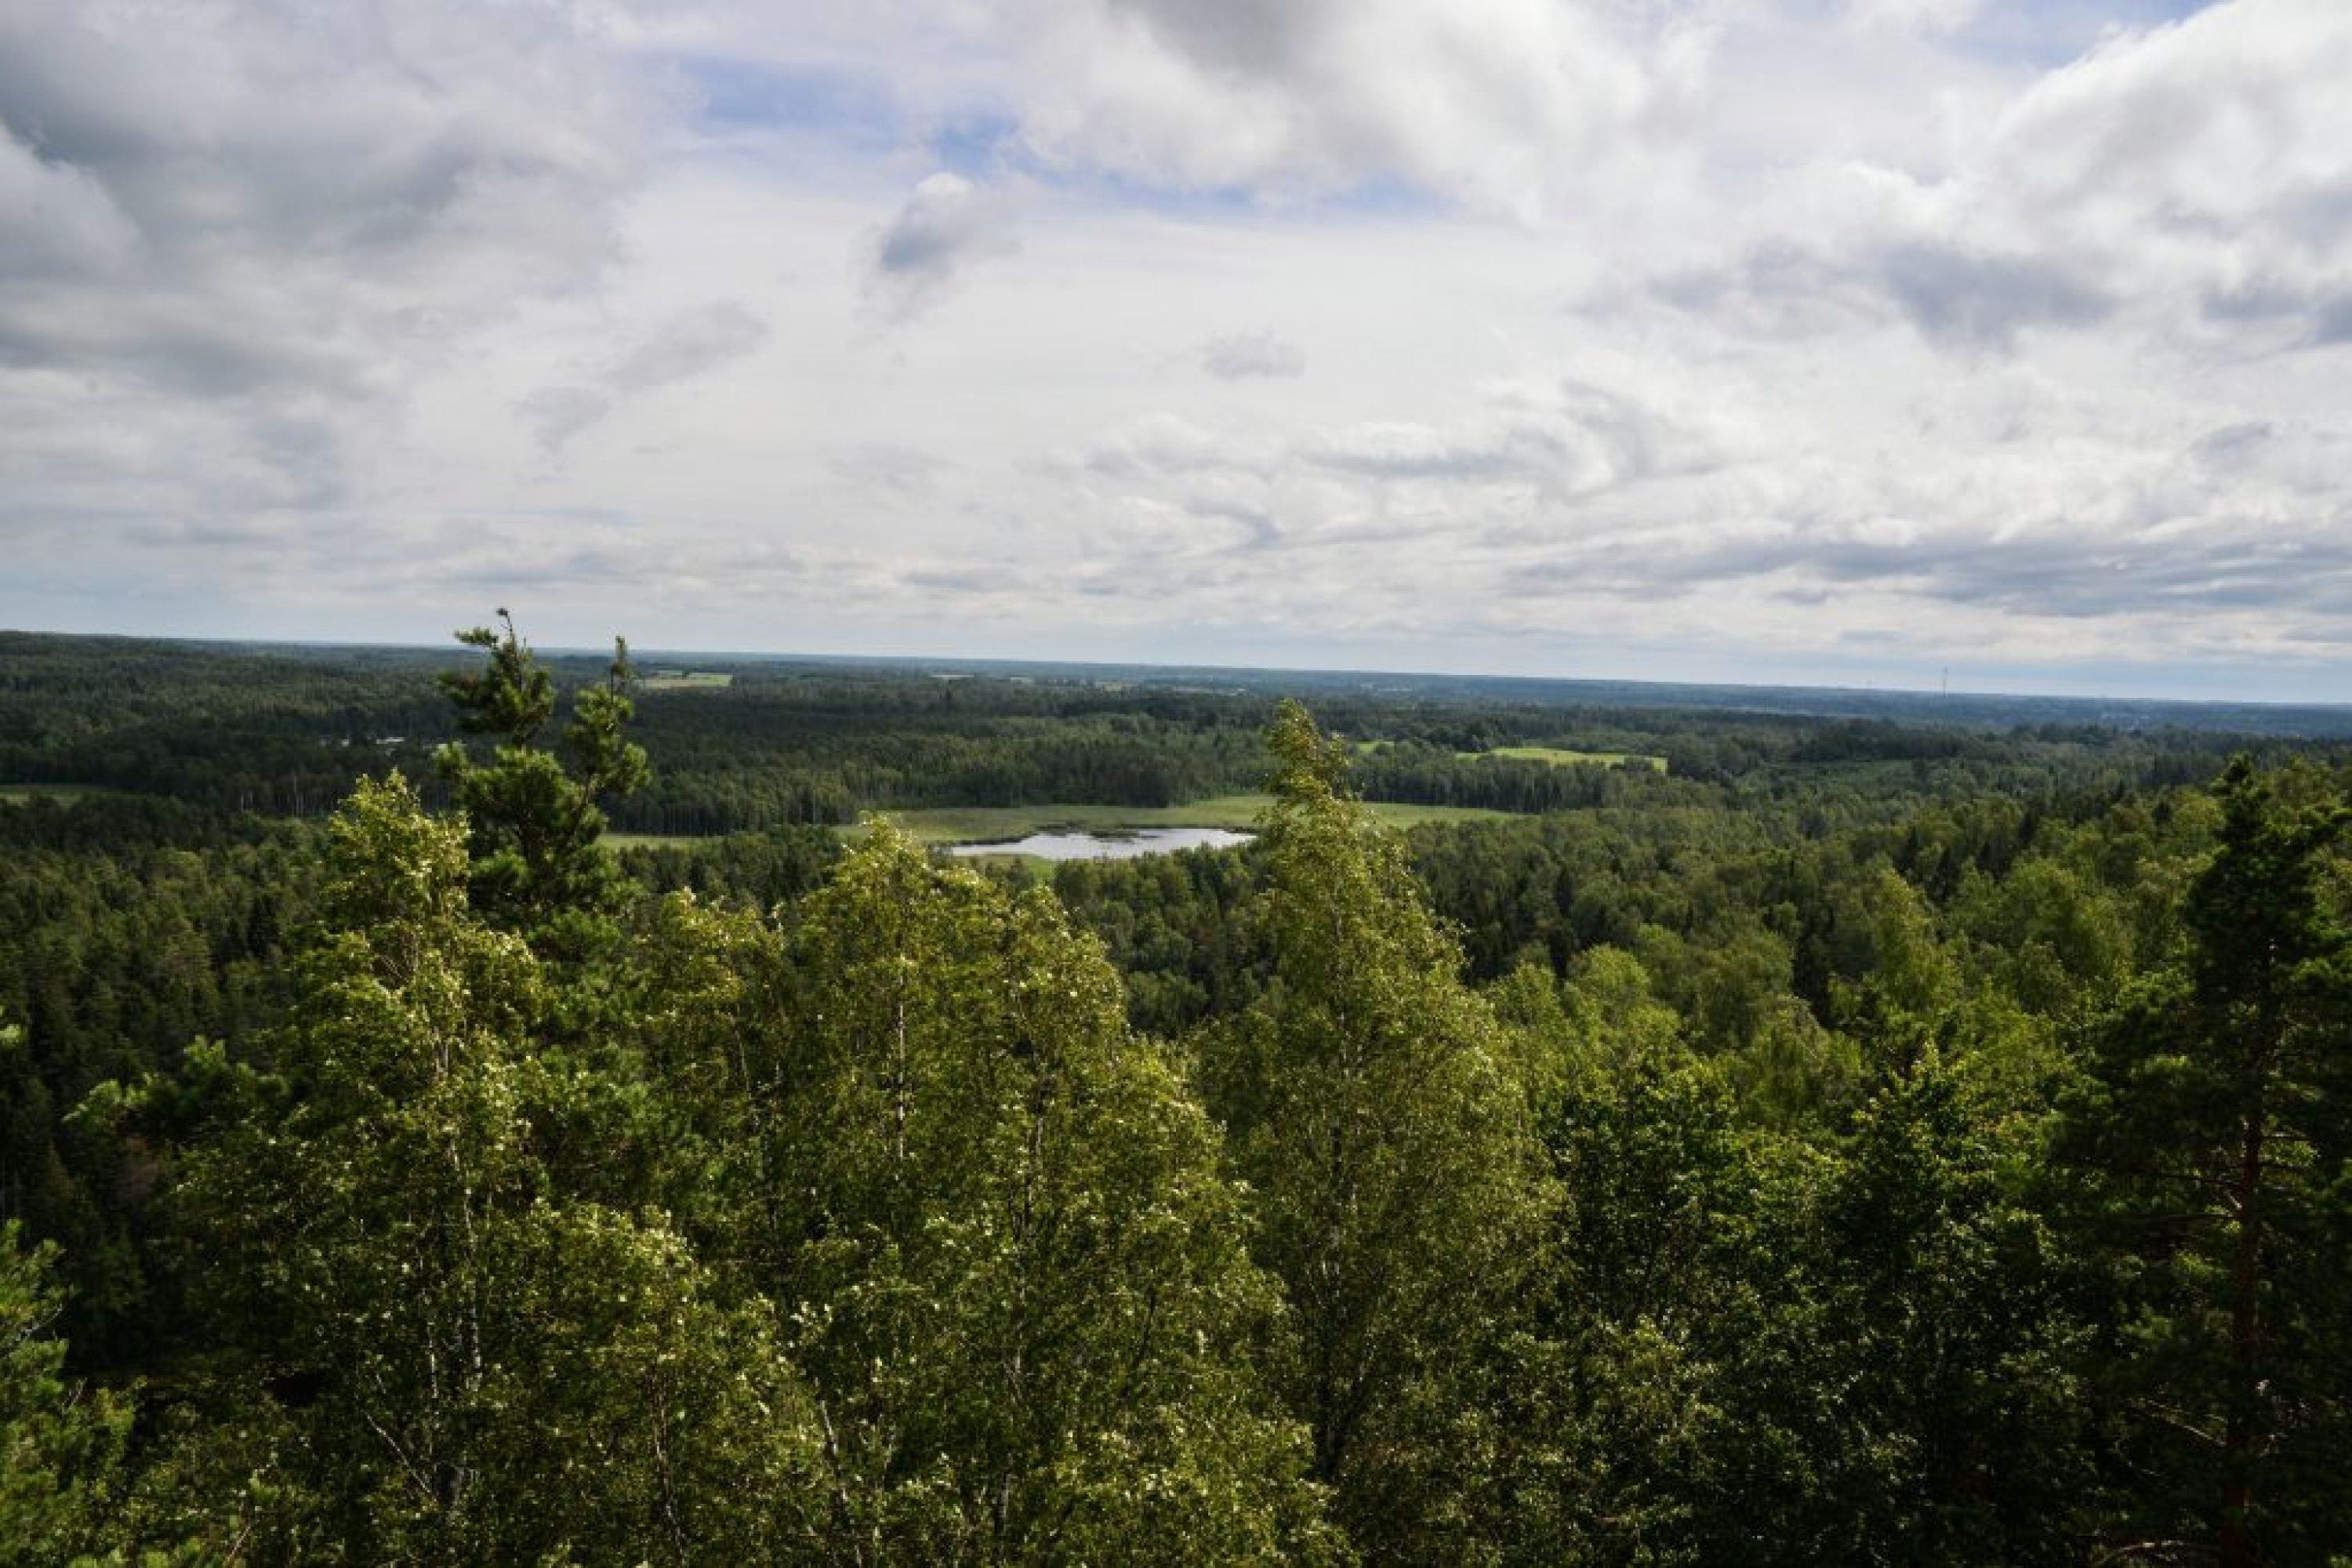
[{"x": 1840, "y": 342}]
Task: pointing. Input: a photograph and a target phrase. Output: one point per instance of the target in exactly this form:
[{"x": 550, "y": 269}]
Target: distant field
[
  {"x": 1558, "y": 757},
  {"x": 618, "y": 841},
  {"x": 17, "y": 793},
  {"x": 685, "y": 681}
]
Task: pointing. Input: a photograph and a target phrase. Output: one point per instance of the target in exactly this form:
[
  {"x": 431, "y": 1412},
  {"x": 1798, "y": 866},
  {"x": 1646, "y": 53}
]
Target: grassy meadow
[
  {"x": 18, "y": 793},
  {"x": 1562, "y": 757}
]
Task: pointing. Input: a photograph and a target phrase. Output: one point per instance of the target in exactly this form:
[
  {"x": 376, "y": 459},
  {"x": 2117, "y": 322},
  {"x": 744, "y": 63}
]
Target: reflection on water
[{"x": 1117, "y": 846}]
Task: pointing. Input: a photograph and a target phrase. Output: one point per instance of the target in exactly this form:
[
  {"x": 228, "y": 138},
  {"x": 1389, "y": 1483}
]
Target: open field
[
  {"x": 618, "y": 841},
  {"x": 1559, "y": 756},
  {"x": 17, "y": 793},
  {"x": 1563, "y": 758},
  {"x": 685, "y": 681}
]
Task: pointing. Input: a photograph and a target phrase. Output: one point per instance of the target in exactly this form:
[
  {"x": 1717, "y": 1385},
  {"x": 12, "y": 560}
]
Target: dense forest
[{"x": 1882, "y": 1133}]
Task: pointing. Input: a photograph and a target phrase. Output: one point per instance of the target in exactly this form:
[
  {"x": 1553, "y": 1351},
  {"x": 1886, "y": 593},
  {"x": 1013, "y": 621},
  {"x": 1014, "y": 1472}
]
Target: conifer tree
[
  {"x": 60, "y": 1441},
  {"x": 533, "y": 822},
  {"x": 2213, "y": 1143}
]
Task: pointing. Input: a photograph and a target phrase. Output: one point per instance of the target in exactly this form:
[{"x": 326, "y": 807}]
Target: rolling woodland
[{"x": 1578, "y": 1128}]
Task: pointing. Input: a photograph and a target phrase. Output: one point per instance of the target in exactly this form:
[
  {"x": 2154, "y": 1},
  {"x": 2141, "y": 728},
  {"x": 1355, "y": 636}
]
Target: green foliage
[
  {"x": 1680, "y": 1350},
  {"x": 534, "y": 822},
  {"x": 1959, "y": 1339},
  {"x": 60, "y": 1441},
  {"x": 433, "y": 1338},
  {"x": 1371, "y": 1105},
  {"x": 1755, "y": 1350},
  {"x": 833, "y": 1207},
  {"x": 2211, "y": 1142},
  {"x": 1017, "y": 1280},
  {"x": 116, "y": 949}
]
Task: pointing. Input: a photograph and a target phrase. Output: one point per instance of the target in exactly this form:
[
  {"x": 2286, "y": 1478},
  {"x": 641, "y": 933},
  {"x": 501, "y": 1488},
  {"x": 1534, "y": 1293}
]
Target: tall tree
[
  {"x": 534, "y": 822},
  {"x": 1018, "y": 1279},
  {"x": 1373, "y": 1107},
  {"x": 441, "y": 1354},
  {"x": 60, "y": 1441},
  {"x": 1952, "y": 1337},
  {"x": 1681, "y": 1346},
  {"x": 2213, "y": 1143}
]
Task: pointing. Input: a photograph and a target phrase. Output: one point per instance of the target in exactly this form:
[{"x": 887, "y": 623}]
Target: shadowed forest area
[{"x": 1901, "y": 1132}]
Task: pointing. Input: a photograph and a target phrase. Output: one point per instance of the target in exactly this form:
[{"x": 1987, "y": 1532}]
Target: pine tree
[
  {"x": 60, "y": 1442},
  {"x": 2212, "y": 1145},
  {"x": 534, "y": 823}
]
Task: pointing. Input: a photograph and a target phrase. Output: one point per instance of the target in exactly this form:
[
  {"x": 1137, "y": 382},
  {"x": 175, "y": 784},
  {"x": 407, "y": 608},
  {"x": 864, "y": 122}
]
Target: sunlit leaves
[{"x": 1019, "y": 1281}]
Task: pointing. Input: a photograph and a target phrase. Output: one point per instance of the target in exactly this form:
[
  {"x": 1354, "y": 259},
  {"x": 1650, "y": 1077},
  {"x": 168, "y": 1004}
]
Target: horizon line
[{"x": 1928, "y": 694}]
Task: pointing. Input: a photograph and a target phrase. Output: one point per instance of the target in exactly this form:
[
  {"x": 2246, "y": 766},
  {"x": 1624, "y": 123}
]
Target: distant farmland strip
[{"x": 1562, "y": 757}]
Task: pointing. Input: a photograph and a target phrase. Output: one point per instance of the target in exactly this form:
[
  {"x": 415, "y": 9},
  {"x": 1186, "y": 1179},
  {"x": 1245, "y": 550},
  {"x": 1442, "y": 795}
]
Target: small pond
[{"x": 1113, "y": 846}]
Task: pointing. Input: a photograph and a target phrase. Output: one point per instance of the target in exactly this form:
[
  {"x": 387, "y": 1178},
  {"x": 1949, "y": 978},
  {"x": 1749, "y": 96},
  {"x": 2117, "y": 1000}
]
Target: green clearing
[
  {"x": 619, "y": 841},
  {"x": 685, "y": 681},
  {"x": 17, "y": 793},
  {"x": 1560, "y": 757}
]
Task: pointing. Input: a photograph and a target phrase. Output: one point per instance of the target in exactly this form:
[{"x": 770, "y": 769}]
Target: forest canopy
[{"x": 1857, "y": 1139}]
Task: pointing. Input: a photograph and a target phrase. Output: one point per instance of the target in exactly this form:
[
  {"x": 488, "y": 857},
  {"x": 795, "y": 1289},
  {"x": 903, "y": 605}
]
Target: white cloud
[
  {"x": 690, "y": 343},
  {"x": 1690, "y": 336},
  {"x": 945, "y": 225},
  {"x": 2209, "y": 157},
  {"x": 1507, "y": 105},
  {"x": 685, "y": 345},
  {"x": 1932, "y": 17},
  {"x": 1241, "y": 356},
  {"x": 265, "y": 221},
  {"x": 556, "y": 414}
]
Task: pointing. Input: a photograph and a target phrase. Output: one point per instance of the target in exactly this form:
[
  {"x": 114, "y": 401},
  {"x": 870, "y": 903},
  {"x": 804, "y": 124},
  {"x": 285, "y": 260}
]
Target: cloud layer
[{"x": 1680, "y": 337}]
